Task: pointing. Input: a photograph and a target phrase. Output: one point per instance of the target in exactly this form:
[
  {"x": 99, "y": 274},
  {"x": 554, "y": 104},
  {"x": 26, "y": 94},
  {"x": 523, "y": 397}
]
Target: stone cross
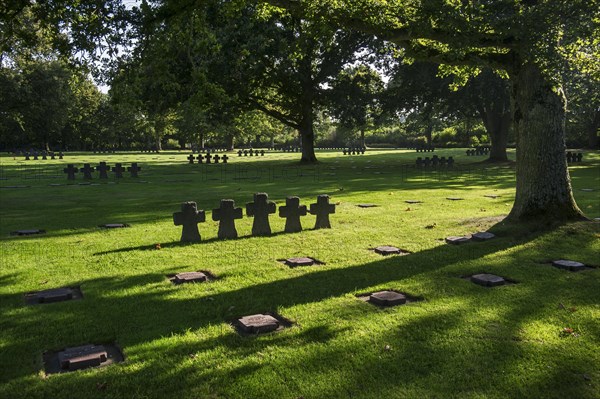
[
  {"x": 191, "y": 158},
  {"x": 260, "y": 209},
  {"x": 70, "y": 170},
  {"x": 239, "y": 153},
  {"x": 134, "y": 169},
  {"x": 103, "y": 168},
  {"x": 217, "y": 158},
  {"x": 87, "y": 171},
  {"x": 224, "y": 158},
  {"x": 189, "y": 217},
  {"x": 118, "y": 169},
  {"x": 200, "y": 158},
  {"x": 207, "y": 157},
  {"x": 322, "y": 209},
  {"x": 292, "y": 212},
  {"x": 226, "y": 215},
  {"x": 60, "y": 155}
]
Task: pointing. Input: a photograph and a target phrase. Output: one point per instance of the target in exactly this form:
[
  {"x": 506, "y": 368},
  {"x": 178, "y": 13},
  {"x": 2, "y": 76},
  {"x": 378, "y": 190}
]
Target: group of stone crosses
[
  {"x": 103, "y": 169},
  {"x": 435, "y": 161},
  {"x": 354, "y": 151},
  {"x": 291, "y": 149},
  {"x": 207, "y": 158},
  {"x": 44, "y": 155},
  {"x": 574, "y": 157},
  {"x": 425, "y": 149},
  {"x": 251, "y": 153},
  {"x": 482, "y": 150},
  {"x": 259, "y": 209}
]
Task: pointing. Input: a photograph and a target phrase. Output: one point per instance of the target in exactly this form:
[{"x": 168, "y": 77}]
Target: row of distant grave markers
[
  {"x": 44, "y": 155},
  {"x": 251, "y": 152},
  {"x": 574, "y": 156},
  {"x": 103, "y": 169},
  {"x": 260, "y": 209},
  {"x": 354, "y": 151},
  {"x": 207, "y": 158},
  {"x": 434, "y": 161}
]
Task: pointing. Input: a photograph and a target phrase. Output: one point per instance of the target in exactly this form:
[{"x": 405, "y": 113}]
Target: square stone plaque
[
  {"x": 200, "y": 276},
  {"x": 260, "y": 323},
  {"x": 570, "y": 265},
  {"x": 27, "y": 232},
  {"x": 114, "y": 225},
  {"x": 387, "y": 298},
  {"x": 81, "y": 357},
  {"x": 457, "y": 240},
  {"x": 301, "y": 261},
  {"x": 483, "y": 236},
  {"x": 53, "y": 295},
  {"x": 386, "y": 250},
  {"x": 488, "y": 280}
]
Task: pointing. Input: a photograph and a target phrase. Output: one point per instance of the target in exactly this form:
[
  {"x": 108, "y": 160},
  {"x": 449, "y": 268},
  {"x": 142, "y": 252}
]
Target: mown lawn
[{"x": 457, "y": 340}]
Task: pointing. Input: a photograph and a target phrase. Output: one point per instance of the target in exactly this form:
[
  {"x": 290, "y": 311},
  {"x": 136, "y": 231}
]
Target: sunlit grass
[{"x": 460, "y": 340}]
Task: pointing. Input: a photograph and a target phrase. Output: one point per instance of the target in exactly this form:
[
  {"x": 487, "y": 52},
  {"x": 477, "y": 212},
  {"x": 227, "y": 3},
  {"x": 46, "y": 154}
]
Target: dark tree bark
[
  {"x": 543, "y": 184},
  {"x": 593, "y": 130},
  {"x": 496, "y": 120},
  {"x": 307, "y": 136}
]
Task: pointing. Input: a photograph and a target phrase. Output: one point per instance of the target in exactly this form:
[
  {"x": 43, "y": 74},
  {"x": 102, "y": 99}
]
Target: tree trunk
[
  {"x": 543, "y": 184},
  {"x": 362, "y": 138},
  {"x": 428, "y": 133},
  {"x": 307, "y": 136},
  {"x": 497, "y": 123},
  {"x": 230, "y": 142},
  {"x": 593, "y": 131}
]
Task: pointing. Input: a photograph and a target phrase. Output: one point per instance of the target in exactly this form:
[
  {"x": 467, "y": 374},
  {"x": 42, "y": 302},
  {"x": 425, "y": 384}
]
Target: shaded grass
[{"x": 462, "y": 340}]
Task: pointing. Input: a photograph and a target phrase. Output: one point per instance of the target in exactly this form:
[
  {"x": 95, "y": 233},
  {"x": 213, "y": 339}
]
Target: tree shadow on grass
[{"x": 139, "y": 310}]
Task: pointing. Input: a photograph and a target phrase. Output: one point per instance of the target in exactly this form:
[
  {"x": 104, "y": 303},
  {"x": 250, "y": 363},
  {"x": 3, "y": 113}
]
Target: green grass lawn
[{"x": 459, "y": 340}]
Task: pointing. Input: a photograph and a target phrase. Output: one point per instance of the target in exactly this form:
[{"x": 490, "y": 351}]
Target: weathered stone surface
[
  {"x": 488, "y": 280},
  {"x": 483, "y": 236},
  {"x": 568, "y": 265},
  {"x": 53, "y": 295},
  {"x": 300, "y": 261},
  {"x": 457, "y": 240},
  {"x": 134, "y": 169},
  {"x": 189, "y": 217},
  {"x": 322, "y": 209},
  {"x": 454, "y": 198},
  {"x": 82, "y": 357},
  {"x": 387, "y": 298},
  {"x": 189, "y": 277},
  {"x": 226, "y": 216},
  {"x": 260, "y": 209},
  {"x": 70, "y": 170},
  {"x": 292, "y": 211},
  {"x": 258, "y": 323},
  {"x": 118, "y": 169},
  {"x": 493, "y": 196},
  {"x": 87, "y": 171},
  {"x": 103, "y": 168},
  {"x": 413, "y": 202},
  {"x": 27, "y": 232},
  {"x": 388, "y": 250},
  {"x": 114, "y": 225},
  {"x": 367, "y": 206}
]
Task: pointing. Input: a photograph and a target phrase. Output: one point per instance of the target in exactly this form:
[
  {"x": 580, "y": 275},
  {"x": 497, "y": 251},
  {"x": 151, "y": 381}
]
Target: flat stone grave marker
[
  {"x": 226, "y": 215},
  {"x": 457, "y": 240},
  {"x": 134, "y": 169},
  {"x": 389, "y": 250},
  {"x": 260, "y": 209},
  {"x": 493, "y": 196},
  {"x": 190, "y": 277},
  {"x": 301, "y": 261},
  {"x": 322, "y": 209},
  {"x": 81, "y": 357},
  {"x": 15, "y": 187},
  {"x": 413, "y": 202},
  {"x": 569, "y": 265},
  {"x": 70, "y": 170},
  {"x": 488, "y": 280},
  {"x": 114, "y": 225},
  {"x": 189, "y": 217},
  {"x": 103, "y": 168},
  {"x": 482, "y": 236},
  {"x": 27, "y": 232},
  {"x": 454, "y": 198},
  {"x": 260, "y": 323},
  {"x": 387, "y": 298},
  {"x": 53, "y": 295},
  {"x": 587, "y": 189},
  {"x": 87, "y": 171},
  {"x": 292, "y": 211},
  {"x": 367, "y": 205}
]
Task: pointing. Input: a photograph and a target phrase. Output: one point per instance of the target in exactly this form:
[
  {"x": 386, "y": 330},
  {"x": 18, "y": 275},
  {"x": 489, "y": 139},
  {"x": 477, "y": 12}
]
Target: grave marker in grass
[
  {"x": 457, "y": 240},
  {"x": 482, "y": 236},
  {"x": 118, "y": 169},
  {"x": 134, "y": 169},
  {"x": 81, "y": 357},
  {"x": 87, "y": 171},
  {"x": 53, "y": 295},
  {"x": 189, "y": 277},
  {"x": 488, "y": 280},
  {"x": 387, "y": 298},
  {"x": 260, "y": 323},
  {"x": 569, "y": 265},
  {"x": 191, "y": 158},
  {"x": 260, "y": 209},
  {"x": 70, "y": 170},
  {"x": 27, "y": 232},
  {"x": 322, "y": 209},
  {"x": 292, "y": 211},
  {"x": 386, "y": 250},
  {"x": 114, "y": 225},
  {"x": 226, "y": 215},
  {"x": 103, "y": 168},
  {"x": 224, "y": 158},
  {"x": 189, "y": 217}
]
